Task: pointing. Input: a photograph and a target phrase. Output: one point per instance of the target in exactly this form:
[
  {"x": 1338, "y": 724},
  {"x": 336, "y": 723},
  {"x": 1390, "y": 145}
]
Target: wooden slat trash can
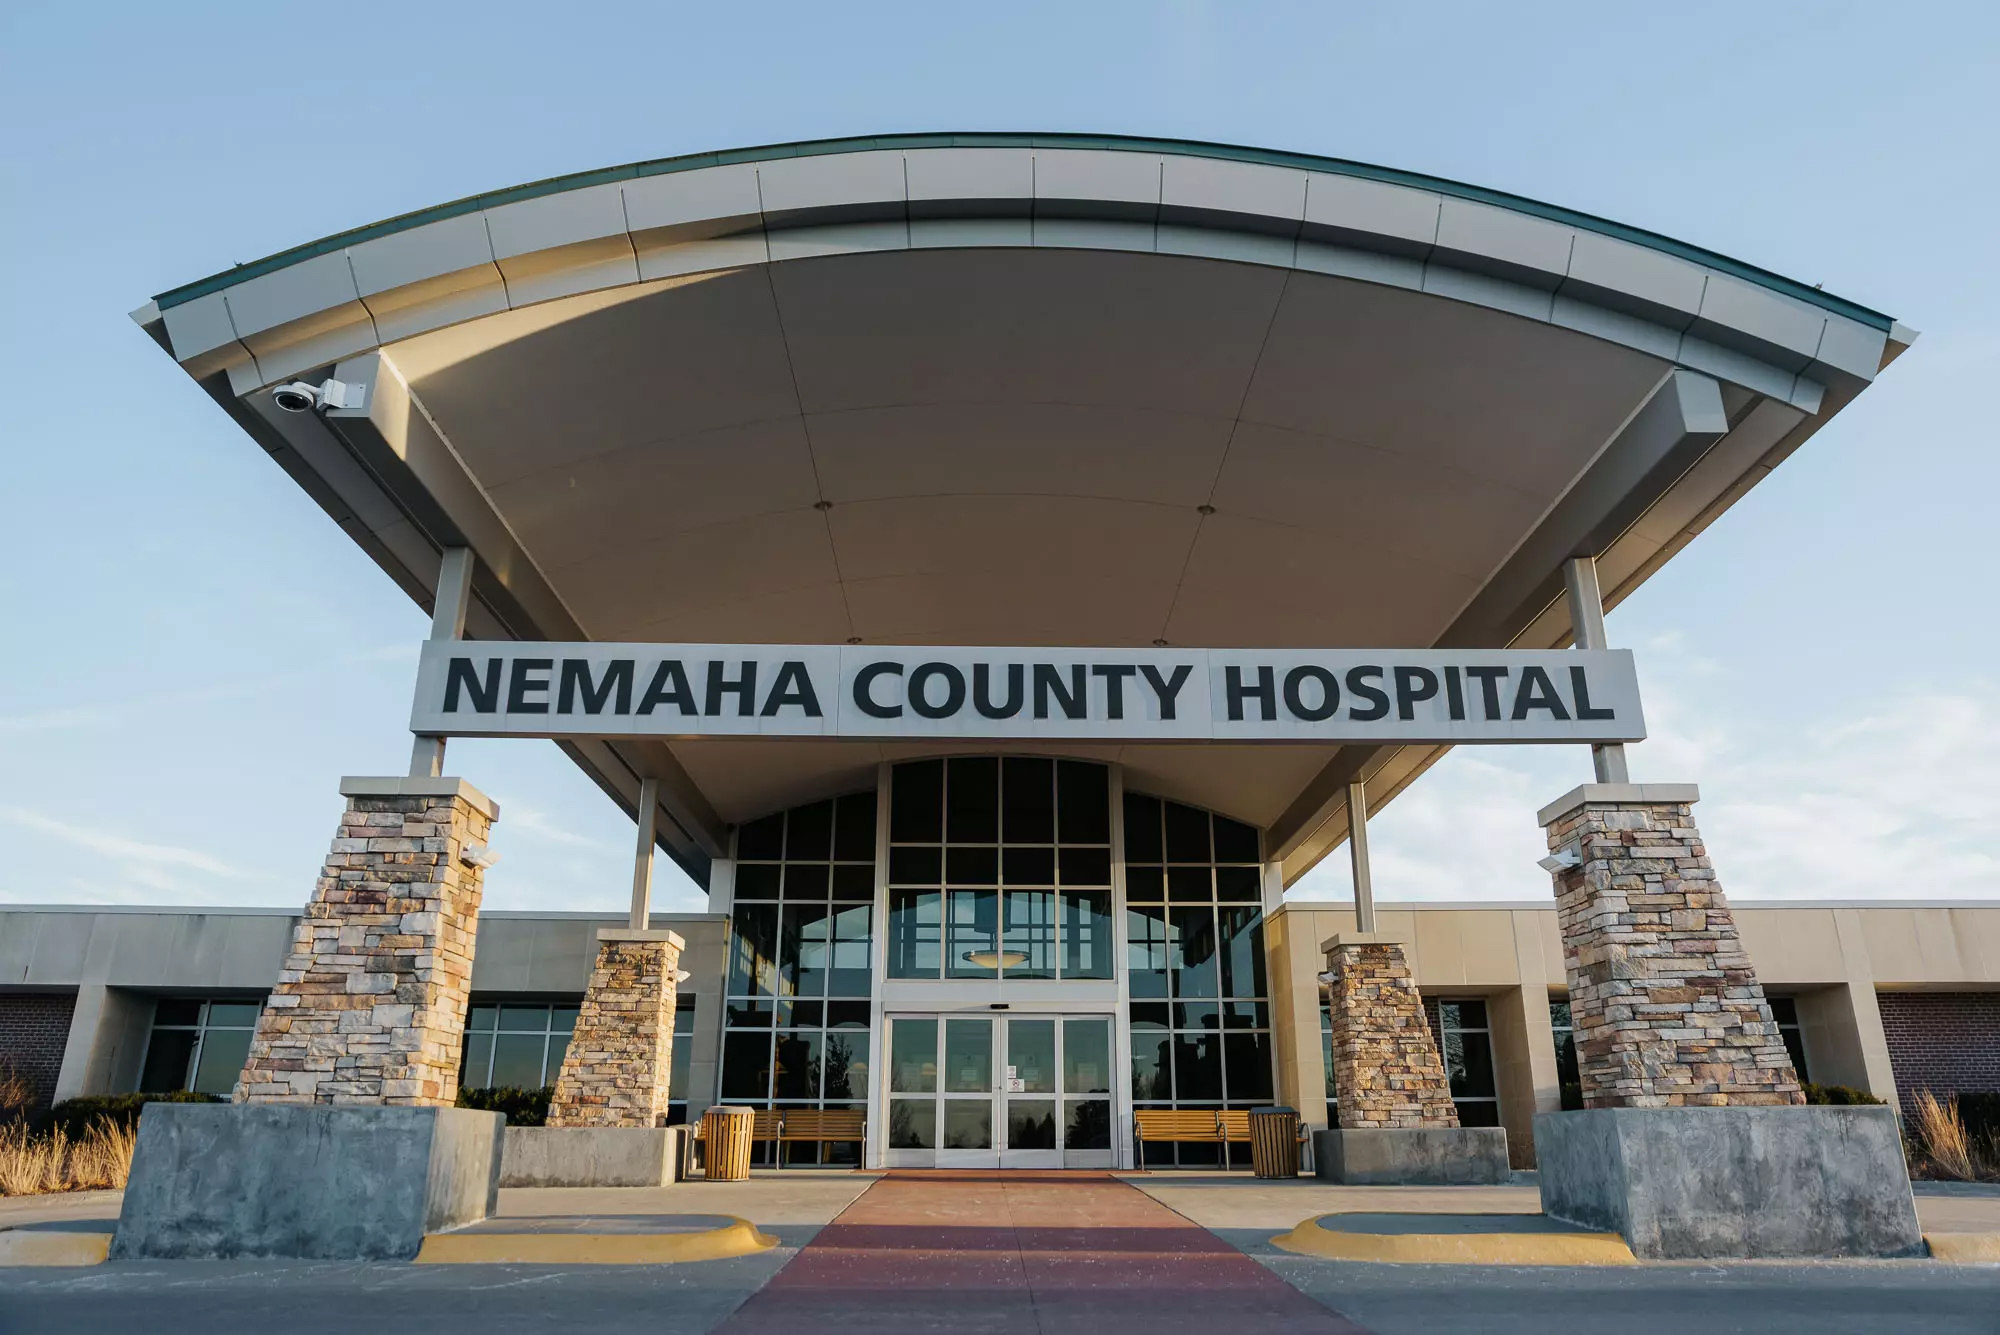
[
  {"x": 1274, "y": 1142},
  {"x": 726, "y": 1133}
]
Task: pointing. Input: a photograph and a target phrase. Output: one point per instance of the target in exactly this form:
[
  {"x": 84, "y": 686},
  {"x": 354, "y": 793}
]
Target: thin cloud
[
  {"x": 137, "y": 857},
  {"x": 53, "y": 720}
]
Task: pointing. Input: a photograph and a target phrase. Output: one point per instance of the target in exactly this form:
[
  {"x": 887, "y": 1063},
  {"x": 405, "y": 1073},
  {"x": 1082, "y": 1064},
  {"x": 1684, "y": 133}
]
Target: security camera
[
  {"x": 1563, "y": 859},
  {"x": 299, "y": 397}
]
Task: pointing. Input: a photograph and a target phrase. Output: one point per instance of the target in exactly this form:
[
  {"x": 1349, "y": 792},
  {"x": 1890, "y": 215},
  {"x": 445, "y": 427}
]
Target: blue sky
[{"x": 192, "y": 654}]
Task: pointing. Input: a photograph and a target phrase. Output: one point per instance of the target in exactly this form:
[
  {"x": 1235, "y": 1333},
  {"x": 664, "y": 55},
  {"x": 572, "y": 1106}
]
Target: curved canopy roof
[{"x": 1004, "y": 390}]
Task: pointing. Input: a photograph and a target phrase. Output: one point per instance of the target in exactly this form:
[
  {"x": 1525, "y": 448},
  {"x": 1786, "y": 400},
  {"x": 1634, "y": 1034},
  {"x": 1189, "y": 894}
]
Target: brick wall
[
  {"x": 1946, "y": 1042},
  {"x": 33, "y": 1032}
]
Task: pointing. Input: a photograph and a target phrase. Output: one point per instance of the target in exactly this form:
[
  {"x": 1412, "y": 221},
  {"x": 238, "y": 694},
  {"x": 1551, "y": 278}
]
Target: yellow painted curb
[
  {"x": 1313, "y": 1238},
  {"x": 1964, "y": 1248},
  {"x": 22, "y": 1246},
  {"x": 739, "y": 1237}
]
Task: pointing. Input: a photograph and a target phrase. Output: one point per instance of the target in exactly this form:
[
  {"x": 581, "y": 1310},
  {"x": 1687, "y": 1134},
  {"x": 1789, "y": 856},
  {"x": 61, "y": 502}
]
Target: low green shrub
[
  {"x": 524, "y": 1107},
  {"x": 76, "y": 1117},
  {"x": 1845, "y": 1095}
]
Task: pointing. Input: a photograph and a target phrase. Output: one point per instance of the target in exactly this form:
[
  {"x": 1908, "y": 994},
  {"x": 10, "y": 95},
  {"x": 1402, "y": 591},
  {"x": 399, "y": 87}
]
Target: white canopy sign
[{"x": 478, "y": 689}]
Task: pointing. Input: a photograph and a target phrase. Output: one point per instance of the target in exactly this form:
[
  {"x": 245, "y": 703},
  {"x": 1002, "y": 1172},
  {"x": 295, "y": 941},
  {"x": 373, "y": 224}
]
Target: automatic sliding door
[
  {"x": 1029, "y": 1089},
  {"x": 1086, "y": 1092},
  {"x": 999, "y": 1091},
  {"x": 966, "y": 1095}
]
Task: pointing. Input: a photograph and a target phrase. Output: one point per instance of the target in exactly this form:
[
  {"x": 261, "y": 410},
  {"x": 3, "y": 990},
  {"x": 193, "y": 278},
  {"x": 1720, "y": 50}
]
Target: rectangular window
[
  {"x": 1467, "y": 1045},
  {"x": 198, "y": 1045},
  {"x": 682, "y": 1068},
  {"x": 1568, "y": 1079},
  {"x": 1200, "y": 1017},
  {"x": 999, "y": 868},
  {"x": 795, "y": 1017},
  {"x": 515, "y": 1045},
  {"x": 1785, "y": 1010}
]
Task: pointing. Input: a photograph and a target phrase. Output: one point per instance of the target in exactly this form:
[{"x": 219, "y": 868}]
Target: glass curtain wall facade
[
  {"x": 1000, "y": 868},
  {"x": 1200, "y": 1007},
  {"x": 799, "y": 970}
]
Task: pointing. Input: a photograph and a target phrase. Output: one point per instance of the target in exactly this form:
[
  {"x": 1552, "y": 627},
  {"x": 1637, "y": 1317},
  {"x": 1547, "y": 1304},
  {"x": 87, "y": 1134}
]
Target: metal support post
[
  {"x": 642, "y": 860},
  {"x": 454, "y": 596},
  {"x": 1586, "y": 618},
  {"x": 1357, "y": 856}
]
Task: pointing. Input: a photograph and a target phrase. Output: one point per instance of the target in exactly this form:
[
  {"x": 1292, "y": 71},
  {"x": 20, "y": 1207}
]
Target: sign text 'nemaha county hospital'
[{"x": 471, "y": 689}]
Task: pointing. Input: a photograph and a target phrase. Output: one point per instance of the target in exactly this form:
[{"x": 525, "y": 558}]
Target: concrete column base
[
  {"x": 354, "y": 1183},
  {"x": 1433, "y": 1156},
  {"x": 590, "y": 1156},
  {"x": 1766, "y": 1182}
]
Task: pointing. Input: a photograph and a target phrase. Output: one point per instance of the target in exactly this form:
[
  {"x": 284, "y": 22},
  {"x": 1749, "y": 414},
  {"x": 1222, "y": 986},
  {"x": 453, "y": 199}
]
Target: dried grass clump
[
  {"x": 1951, "y": 1152},
  {"x": 33, "y": 1165},
  {"x": 16, "y": 1094}
]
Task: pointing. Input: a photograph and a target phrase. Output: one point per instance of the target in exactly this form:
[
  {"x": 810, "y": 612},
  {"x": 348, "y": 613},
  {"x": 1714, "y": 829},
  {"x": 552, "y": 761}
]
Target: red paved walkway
[{"x": 999, "y": 1253}]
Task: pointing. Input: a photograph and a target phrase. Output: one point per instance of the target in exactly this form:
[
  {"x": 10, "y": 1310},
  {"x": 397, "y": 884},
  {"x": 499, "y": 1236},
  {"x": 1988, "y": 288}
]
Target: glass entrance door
[{"x": 979, "y": 1091}]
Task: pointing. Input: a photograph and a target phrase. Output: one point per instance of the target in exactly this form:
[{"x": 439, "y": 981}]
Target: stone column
[
  {"x": 370, "y": 1006},
  {"x": 1385, "y": 1062},
  {"x": 1666, "y": 1007},
  {"x": 616, "y": 1069}
]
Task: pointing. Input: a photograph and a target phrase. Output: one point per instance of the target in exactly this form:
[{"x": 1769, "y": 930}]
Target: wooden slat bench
[
  {"x": 786, "y": 1126},
  {"x": 1221, "y": 1127}
]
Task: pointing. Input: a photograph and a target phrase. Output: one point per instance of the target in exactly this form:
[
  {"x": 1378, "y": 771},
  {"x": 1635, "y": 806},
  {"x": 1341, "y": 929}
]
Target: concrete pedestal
[
  {"x": 323, "y": 1183},
  {"x": 590, "y": 1156},
  {"x": 1686, "y": 1183},
  {"x": 1432, "y": 1156}
]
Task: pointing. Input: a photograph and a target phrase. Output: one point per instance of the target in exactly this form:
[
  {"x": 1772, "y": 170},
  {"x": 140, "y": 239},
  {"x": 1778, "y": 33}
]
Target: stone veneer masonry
[
  {"x": 1666, "y": 1007},
  {"x": 1385, "y": 1061},
  {"x": 370, "y": 1006},
  {"x": 616, "y": 1068}
]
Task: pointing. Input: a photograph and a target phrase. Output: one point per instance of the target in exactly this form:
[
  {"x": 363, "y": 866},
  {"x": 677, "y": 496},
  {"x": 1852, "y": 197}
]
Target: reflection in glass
[
  {"x": 753, "y": 951},
  {"x": 1146, "y": 949},
  {"x": 1087, "y": 1125},
  {"x": 845, "y": 1065},
  {"x": 968, "y": 1124},
  {"x": 1086, "y": 934},
  {"x": 915, "y": 947},
  {"x": 1029, "y": 929},
  {"x": 796, "y": 1072},
  {"x": 223, "y": 1052},
  {"x": 1198, "y": 1068},
  {"x": 1152, "y": 1066},
  {"x": 1031, "y": 1052},
  {"x": 517, "y": 1059},
  {"x": 1086, "y": 1057},
  {"x": 971, "y": 928},
  {"x": 1194, "y": 961},
  {"x": 1031, "y": 1124},
  {"x": 1243, "y": 950},
  {"x": 968, "y": 1056},
  {"x": 912, "y": 1124},
  {"x": 847, "y": 975},
  {"x": 913, "y": 1056},
  {"x": 1247, "y": 1060}
]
